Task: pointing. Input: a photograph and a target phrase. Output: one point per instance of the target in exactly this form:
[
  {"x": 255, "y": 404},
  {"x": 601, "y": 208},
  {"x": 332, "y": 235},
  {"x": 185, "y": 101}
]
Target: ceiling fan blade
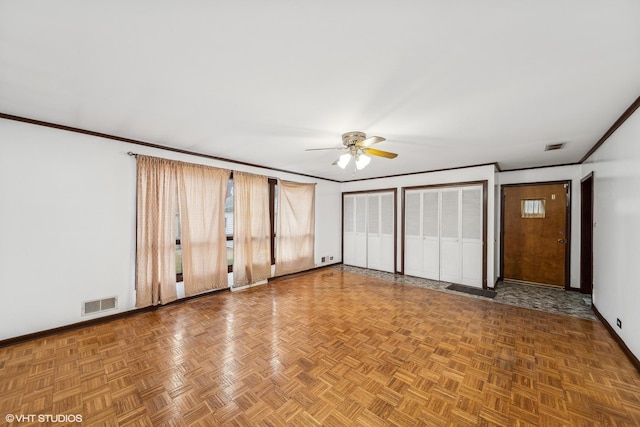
[
  {"x": 329, "y": 148},
  {"x": 379, "y": 153},
  {"x": 370, "y": 141}
]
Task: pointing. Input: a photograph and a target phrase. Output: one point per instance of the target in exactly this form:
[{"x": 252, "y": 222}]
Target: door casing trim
[{"x": 567, "y": 249}]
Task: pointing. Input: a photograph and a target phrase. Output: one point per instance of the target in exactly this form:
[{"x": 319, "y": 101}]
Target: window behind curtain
[
  {"x": 296, "y": 227},
  {"x": 229, "y": 226},
  {"x": 252, "y": 234},
  {"x": 202, "y": 191},
  {"x": 156, "y": 201}
]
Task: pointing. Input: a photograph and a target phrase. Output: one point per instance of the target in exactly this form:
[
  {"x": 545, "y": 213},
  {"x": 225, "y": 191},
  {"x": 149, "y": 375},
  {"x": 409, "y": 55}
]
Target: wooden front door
[{"x": 535, "y": 233}]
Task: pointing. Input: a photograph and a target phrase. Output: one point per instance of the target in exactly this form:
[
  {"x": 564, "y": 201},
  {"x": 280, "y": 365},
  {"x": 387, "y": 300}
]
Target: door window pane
[{"x": 532, "y": 208}]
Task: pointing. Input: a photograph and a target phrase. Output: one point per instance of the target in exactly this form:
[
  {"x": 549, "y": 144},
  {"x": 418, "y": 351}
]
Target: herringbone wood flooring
[{"x": 328, "y": 348}]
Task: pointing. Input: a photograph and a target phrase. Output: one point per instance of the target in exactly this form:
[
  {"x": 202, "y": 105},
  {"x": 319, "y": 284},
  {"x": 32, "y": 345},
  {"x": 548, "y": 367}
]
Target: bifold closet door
[
  {"x": 360, "y": 259},
  {"x": 450, "y": 247},
  {"x": 353, "y": 234},
  {"x": 472, "y": 224},
  {"x": 348, "y": 230},
  {"x": 380, "y": 227},
  {"x": 413, "y": 257},
  {"x": 443, "y": 234},
  {"x": 422, "y": 234},
  {"x": 355, "y": 231},
  {"x": 368, "y": 231},
  {"x": 388, "y": 232},
  {"x": 431, "y": 234}
]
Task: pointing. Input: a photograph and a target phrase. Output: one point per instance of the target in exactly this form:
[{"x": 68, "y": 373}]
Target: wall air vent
[
  {"x": 96, "y": 306},
  {"x": 558, "y": 146}
]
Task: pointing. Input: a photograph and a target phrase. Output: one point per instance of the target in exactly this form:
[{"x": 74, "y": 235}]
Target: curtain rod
[{"x": 132, "y": 154}]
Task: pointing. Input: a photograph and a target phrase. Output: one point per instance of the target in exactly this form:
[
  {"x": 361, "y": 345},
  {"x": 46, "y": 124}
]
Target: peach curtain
[
  {"x": 201, "y": 193},
  {"x": 252, "y": 229},
  {"x": 296, "y": 227},
  {"x": 156, "y": 241}
]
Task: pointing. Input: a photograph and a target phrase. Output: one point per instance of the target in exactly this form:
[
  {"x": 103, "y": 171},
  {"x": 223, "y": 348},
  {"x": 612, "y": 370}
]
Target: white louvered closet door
[
  {"x": 387, "y": 232},
  {"x": 374, "y": 248},
  {"x": 443, "y": 234},
  {"x": 380, "y": 241},
  {"x": 360, "y": 238},
  {"x": 349, "y": 230},
  {"x": 369, "y": 231},
  {"x": 431, "y": 234},
  {"x": 450, "y": 249},
  {"x": 413, "y": 250},
  {"x": 472, "y": 236}
]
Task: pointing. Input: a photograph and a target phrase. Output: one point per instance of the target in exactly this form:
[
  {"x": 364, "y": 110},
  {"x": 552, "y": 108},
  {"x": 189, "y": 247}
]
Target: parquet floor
[{"x": 327, "y": 348}]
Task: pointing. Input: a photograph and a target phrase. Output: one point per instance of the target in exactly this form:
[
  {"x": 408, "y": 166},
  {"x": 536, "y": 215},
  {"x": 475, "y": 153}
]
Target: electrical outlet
[
  {"x": 324, "y": 259},
  {"x": 330, "y": 258},
  {"x": 619, "y": 323}
]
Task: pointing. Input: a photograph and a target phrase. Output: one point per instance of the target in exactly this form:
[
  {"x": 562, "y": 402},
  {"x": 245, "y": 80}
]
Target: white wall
[
  {"x": 571, "y": 173},
  {"x": 616, "y": 266},
  {"x": 479, "y": 173},
  {"x": 67, "y": 223}
]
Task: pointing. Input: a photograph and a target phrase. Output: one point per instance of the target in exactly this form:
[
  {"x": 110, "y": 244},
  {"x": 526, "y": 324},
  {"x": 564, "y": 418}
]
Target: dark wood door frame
[
  {"x": 586, "y": 234},
  {"x": 567, "y": 256}
]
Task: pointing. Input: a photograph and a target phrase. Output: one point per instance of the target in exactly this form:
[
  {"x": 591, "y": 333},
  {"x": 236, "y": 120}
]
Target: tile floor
[{"x": 542, "y": 298}]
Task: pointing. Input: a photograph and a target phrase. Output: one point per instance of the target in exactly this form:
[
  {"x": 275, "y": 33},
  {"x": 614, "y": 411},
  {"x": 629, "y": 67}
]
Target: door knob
[{"x": 560, "y": 240}]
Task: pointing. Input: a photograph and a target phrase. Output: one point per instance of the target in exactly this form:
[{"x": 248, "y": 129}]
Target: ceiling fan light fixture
[
  {"x": 362, "y": 161},
  {"x": 344, "y": 160},
  {"x": 358, "y": 146}
]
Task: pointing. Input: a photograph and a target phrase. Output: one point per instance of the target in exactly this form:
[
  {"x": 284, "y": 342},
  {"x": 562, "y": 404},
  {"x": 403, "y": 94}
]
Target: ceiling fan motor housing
[{"x": 352, "y": 138}]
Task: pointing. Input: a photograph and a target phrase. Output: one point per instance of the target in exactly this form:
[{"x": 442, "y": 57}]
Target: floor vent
[{"x": 91, "y": 307}]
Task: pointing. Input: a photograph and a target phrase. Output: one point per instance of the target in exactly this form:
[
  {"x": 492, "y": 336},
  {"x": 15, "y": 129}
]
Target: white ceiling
[{"x": 447, "y": 83}]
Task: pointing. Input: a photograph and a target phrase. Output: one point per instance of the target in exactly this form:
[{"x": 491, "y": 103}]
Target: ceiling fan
[{"x": 357, "y": 145}]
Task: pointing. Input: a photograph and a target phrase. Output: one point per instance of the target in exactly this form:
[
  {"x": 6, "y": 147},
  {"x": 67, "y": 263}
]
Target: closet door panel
[
  {"x": 349, "y": 231},
  {"x": 387, "y": 235},
  {"x": 387, "y": 249},
  {"x": 450, "y": 249},
  {"x": 374, "y": 252},
  {"x": 349, "y": 249},
  {"x": 472, "y": 214},
  {"x": 443, "y": 234},
  {"x": 369, "y": 231},
  {"x": 431, "y": 260},
  {"x": 431, "y": 234},
  {"x": 450, "y": 265},
  {"x": 472, "y": 236},
  {"x": 360, "y": 256},
  {"x": 412, "y": 234},
  {"x": 413, "y": 256},
  {"x": 472, "y": 264},
  {"x": 374, "y": 249}
]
